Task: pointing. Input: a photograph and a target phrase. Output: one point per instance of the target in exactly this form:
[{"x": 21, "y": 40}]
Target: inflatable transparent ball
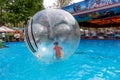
[{"x": 49, "y": 26}]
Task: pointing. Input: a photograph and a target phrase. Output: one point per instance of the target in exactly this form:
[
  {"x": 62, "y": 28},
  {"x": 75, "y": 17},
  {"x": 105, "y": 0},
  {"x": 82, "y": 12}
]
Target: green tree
[
  {"x": 2, "y": 3},
  {"x": 20, "y": 10},
  {"x": 62, "y": 3}
]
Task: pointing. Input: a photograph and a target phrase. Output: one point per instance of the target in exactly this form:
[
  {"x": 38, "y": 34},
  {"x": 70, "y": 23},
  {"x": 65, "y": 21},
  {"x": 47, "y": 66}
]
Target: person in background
[
  {"x": 3, "y": 36},
  {"x": 17, "y": 36}
]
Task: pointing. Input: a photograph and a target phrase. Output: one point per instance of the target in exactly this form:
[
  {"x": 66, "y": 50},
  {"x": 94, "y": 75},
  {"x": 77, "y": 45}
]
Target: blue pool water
[{"x": 93, "y": 60}]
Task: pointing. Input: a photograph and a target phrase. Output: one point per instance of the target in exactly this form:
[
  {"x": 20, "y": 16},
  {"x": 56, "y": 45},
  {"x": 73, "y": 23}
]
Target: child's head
[{"x": 56, "y": 43}]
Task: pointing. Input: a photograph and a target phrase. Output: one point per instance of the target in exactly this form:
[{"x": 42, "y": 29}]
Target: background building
[{"x": 97, "y": 17}]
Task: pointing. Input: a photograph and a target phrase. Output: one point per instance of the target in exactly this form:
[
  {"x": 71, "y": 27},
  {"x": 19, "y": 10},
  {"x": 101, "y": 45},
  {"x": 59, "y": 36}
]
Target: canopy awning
[
  {"x": 15, "y": 28},
  {"x": 6, "y": 29}
]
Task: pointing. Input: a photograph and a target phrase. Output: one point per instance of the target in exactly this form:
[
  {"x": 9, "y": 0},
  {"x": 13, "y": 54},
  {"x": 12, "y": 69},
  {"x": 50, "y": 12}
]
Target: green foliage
[
  {"x": 1, "y": 44},
  {"x": 0, "y": 36},
  {"x": 19, "y": 10},
  {"x": 9, "y": 34},
  {"x": 62, "y": 3}
]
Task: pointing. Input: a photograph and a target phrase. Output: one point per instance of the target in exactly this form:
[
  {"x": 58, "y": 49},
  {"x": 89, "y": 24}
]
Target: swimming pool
[{"x": 93, "y": 60}]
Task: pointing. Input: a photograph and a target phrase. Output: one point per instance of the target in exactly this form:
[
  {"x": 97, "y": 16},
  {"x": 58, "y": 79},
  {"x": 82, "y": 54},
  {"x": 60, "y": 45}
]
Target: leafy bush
[
  {"x": 0, "y": 36},
  {"x": 1, "y": 44},
  {"x": 9, "y": 34}
]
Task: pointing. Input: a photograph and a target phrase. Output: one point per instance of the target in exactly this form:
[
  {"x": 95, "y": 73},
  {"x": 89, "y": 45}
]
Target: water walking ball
[{"x": 49, "y": 26}]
